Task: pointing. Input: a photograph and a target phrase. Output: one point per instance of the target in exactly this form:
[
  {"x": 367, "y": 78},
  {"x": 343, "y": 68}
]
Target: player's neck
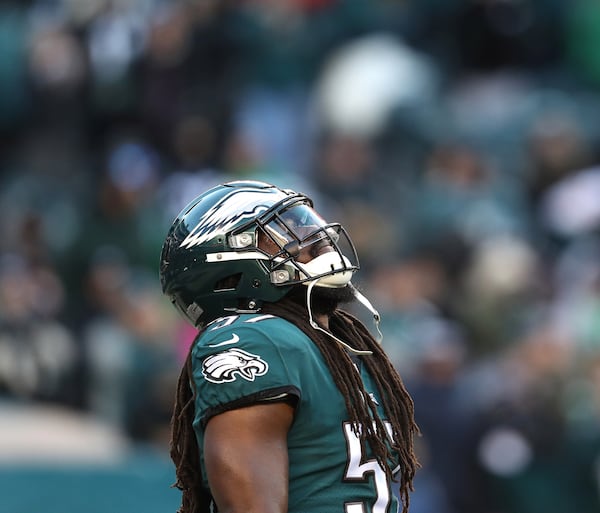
[{"x": 323, "y": 320}]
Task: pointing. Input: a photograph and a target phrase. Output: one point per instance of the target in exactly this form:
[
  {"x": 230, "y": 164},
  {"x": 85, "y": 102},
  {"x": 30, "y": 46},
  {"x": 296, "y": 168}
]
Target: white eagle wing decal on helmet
[
  {"x": 238, "y": 205},
  {"x": 224, "y": 367}
]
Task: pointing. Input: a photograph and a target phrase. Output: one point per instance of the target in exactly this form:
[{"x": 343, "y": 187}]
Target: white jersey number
[{"x": 359, "y": 470}]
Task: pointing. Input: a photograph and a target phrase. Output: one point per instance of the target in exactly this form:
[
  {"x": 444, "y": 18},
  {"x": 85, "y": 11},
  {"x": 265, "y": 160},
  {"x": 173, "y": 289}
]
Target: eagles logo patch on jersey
[{"x": 226, "y": 366}]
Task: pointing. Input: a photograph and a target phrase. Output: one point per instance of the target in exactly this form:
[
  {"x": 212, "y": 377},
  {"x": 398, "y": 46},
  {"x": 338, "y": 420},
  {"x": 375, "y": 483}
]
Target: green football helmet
[{"x": 238, "y": 245}]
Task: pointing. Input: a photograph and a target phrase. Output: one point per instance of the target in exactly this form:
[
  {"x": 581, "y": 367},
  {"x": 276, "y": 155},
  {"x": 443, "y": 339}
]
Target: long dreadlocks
[{"x": 397, "y": 405}]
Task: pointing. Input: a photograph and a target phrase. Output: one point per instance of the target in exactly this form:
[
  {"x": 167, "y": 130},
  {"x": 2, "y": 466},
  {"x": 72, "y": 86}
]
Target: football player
[{"x": 286, "y": 403}]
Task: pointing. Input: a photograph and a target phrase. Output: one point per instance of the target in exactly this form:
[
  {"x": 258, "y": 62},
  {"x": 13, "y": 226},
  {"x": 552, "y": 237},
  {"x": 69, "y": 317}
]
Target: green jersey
[{"x": 245, "y": 359}]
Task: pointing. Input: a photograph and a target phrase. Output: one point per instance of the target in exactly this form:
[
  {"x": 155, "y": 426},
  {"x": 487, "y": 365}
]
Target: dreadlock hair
[
  {"x": 184, "y": 446},
  {"x": 397, "y": 405}
]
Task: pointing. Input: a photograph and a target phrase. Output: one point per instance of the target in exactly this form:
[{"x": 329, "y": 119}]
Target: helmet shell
[{"x": 198, "y": 287}]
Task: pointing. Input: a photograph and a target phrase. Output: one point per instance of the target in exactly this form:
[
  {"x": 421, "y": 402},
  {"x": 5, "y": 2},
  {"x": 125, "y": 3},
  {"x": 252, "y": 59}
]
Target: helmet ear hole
[{"x": 228, "y": 283}]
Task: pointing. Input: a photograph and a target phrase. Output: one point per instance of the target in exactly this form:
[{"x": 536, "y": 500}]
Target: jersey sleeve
[{"x": 246, "y": 361}]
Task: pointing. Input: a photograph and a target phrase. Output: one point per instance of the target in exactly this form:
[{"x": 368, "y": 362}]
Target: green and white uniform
[{"x": 244, "y": 359}]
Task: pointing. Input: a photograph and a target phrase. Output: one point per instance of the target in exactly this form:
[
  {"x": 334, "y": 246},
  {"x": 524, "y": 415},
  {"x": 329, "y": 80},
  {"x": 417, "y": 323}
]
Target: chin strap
[
  {"x": 314, "y": 324},
  {"x": 367, "y": 304}
]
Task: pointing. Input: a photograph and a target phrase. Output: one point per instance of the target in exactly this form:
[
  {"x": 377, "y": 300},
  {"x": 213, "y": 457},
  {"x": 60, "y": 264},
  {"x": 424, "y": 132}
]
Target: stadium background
[{"x": 456, "y": 139}]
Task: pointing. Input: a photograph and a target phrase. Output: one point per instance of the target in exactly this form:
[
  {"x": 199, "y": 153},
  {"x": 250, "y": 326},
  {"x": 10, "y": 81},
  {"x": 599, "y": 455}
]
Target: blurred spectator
[
  {"x": 460, "y": 192},
  {"x": 502, "y": 290},
  {"x": 38, "y": 355},
  {"x": 129, "y": 353},
  {"x": 348, "y": 175},
  {"x": 535, "y": 460},
  {"x": 122, "y": 212},
  {"x": 447, "y": 419},
  {"x": 557, "y": 146},
  {"x": 366, "y": 80}
]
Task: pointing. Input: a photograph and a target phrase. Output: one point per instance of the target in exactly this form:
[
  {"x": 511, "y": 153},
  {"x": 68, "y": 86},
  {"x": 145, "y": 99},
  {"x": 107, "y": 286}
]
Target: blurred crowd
[{"x": 457, "y": 141}]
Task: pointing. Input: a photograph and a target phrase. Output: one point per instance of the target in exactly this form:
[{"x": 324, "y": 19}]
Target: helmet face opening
[
  {"x": 301, "y": 246},
  {"x": 243, "y": 243}
]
